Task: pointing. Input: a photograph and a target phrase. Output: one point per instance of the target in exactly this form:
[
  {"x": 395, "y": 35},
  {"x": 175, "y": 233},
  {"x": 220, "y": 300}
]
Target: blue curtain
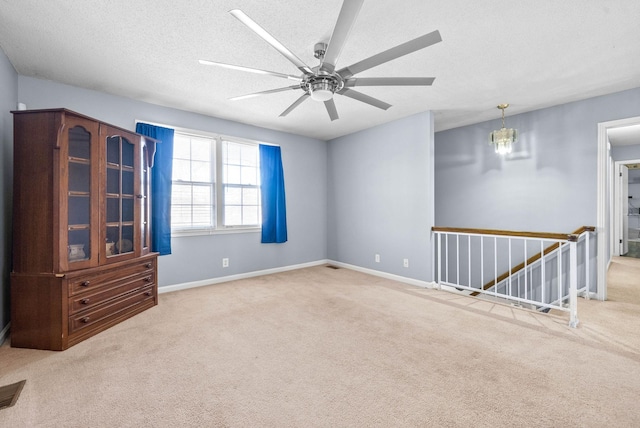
[
  {"x": 160, "y": 187},
  {"x": 274, "y": 211}
]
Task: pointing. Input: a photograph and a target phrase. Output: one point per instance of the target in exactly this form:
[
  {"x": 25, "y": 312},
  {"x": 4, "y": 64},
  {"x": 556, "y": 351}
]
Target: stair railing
[{"x": 541, "y": 270}]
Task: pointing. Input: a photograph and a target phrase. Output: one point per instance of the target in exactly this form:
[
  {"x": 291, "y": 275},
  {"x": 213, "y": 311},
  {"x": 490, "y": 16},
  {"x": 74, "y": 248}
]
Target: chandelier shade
[{"x": 503, "y": 138}]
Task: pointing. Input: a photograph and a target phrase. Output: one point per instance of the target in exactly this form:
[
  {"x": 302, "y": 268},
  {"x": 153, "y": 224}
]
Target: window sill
[{"x": 205, "y": 232}]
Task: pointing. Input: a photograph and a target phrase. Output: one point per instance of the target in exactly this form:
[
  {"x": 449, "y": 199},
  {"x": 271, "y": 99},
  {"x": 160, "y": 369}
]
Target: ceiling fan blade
[
  {"x": 253, "y": 26},
  {"x": 364, "y": 98},
  {"x": 295, "y": 104},
  {"x": 331, "y": 109},
  {"x": 389, "y": 81},
  {"x": 346, "y": 19},
  {"x": 390, "y": 54},
  {"x": 250, "y": 70},
  {"x": 270, "y": 91}
]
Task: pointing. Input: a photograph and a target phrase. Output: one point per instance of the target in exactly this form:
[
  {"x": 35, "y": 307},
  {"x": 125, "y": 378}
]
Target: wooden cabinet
[{"x": 82, "y": 260}]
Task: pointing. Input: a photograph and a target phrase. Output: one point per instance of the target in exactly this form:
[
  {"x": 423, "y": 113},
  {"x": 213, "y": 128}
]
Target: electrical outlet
[
  {"x": 405, "y": 263},
  {"x": 225, "y": 262},
  {"x": 377, "y": 258}
]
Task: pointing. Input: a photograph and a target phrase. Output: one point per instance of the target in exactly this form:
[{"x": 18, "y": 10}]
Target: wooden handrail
[
  {"x": 562, "y": 236},
  {"x": 540, "y": 235},
  {"x": 584, "y": 229}
]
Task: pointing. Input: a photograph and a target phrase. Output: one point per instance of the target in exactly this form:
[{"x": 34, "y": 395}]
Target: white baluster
[{"x": 573, "y": 284}]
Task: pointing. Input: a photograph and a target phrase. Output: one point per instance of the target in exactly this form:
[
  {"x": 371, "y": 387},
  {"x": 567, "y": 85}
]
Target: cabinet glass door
[
  {"x": 79, "y": 195},
  {"x": 120, "y": 196}
]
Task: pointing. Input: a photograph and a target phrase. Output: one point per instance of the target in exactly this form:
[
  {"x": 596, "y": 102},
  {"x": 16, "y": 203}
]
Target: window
[
  {"x": 240, "y": 181},
  {"x": 216, "y": 184},
  {"x": 193, "y": 191}
]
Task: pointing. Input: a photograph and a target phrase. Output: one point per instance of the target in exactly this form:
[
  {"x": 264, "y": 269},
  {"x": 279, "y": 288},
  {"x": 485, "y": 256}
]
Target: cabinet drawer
[
  {"x": 107, "y": 278},
  {"x": 110, "y": 290},
  {"x": 113, "y": 309}
]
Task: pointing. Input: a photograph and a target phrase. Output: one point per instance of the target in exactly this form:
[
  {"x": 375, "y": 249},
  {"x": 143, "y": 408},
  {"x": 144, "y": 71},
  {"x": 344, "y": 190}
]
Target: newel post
[
  {"x": 439, "y": 254},
  {"x": 573, "y": 281}
]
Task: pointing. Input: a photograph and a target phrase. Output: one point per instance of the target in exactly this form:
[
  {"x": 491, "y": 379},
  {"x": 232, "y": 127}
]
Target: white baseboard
[
  {"x": 393, "y": 277},
  {"x": 211, "y": 281},
  {"x": 4, "y": 334}
]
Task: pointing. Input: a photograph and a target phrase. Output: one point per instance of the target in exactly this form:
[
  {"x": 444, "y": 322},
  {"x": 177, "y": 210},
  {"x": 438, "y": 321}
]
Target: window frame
[
  {"x": 218, "y": 186},
  {"x": 212, "y": 160}
]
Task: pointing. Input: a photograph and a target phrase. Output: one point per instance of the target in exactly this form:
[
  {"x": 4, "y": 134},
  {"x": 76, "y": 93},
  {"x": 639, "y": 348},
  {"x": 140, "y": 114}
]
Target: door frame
[
  {"x": 618, "y": 208},
  {"x": 604, "y": 180}
]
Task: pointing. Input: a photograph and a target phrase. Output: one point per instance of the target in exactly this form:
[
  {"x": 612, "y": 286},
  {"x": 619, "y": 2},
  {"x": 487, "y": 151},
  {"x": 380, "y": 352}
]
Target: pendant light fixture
[{"x": 503, "y": 138}]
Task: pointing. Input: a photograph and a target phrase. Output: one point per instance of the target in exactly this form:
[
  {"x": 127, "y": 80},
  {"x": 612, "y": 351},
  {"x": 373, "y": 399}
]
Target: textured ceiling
[{"x": 531, "y": 54}]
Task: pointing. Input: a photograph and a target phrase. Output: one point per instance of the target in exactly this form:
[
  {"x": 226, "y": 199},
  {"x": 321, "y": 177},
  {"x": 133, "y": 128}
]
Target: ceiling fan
[{"x": 322, "y": 82}]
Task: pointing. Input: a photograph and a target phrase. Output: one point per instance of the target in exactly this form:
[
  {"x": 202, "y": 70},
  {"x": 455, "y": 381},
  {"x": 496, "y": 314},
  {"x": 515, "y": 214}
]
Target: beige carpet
[{"x": 336, "y": 348}]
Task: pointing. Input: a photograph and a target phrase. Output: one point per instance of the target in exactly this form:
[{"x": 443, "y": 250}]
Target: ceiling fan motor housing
[{"x": 322, "y": 87}]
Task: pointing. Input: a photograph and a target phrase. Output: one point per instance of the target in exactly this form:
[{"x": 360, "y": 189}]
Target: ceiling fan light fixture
[
  {"x": 503, "y": 138},
  {"x": 322, "y": 89}
]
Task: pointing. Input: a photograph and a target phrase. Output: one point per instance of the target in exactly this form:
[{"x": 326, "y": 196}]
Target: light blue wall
[
  {"x": 551, "y": 188},
  {"x": 200, "y": 258},
  {"x": 8, "y": 101},
  {"x": 381, "y": 197}
]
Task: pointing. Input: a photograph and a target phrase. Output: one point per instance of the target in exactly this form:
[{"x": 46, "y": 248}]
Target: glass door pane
[
  {"x": 120, "y": 196},
  {"x": 79, "y": 195}
]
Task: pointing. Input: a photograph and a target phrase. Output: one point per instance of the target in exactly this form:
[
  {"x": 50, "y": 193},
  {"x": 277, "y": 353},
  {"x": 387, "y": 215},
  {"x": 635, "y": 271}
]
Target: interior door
[{"x": 624, "y": 211}]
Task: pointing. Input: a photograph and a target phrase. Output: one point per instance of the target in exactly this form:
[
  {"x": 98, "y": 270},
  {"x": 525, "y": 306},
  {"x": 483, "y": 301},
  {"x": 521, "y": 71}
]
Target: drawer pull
[
  {"x": 148, "y": 293},
  {"x": 85, "y": 301},
  {"x": 85, "y": 283},
  {"x": 148, "y": 265},
  {"x": 147, "y": 279},
  {"x": 84, "y": 319}
]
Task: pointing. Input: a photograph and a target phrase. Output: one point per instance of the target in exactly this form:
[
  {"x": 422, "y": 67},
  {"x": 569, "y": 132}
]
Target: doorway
[
  {"x": 626, "y": 217},
  {"x": 605, "y": 217}
]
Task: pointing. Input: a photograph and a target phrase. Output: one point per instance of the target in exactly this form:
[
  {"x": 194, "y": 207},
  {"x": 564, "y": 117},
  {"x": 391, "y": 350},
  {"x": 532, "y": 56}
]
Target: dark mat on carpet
[{"x": 9, "y": 394}]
